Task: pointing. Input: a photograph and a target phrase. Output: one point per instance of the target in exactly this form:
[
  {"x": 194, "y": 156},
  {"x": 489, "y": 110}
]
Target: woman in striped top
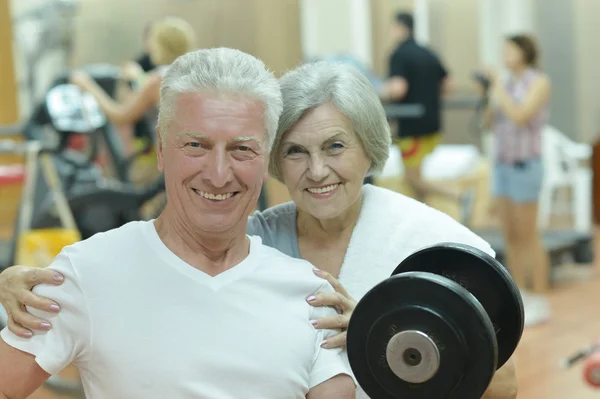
[{"x": 518, "y": 111}]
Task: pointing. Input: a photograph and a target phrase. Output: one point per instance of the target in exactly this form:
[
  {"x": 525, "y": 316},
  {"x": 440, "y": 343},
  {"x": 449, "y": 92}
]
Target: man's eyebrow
[
  {"x": 195, "y": 135},
  {"x": 246, "y": 138}
]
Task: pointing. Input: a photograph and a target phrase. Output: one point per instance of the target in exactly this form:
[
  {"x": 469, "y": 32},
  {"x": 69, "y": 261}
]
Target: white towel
[{"x": 390, "y": 227}]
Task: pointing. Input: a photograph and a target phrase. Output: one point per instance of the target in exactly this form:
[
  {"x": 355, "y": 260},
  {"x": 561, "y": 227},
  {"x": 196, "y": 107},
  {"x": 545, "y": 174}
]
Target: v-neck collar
[{"x": 215, "y": 283}]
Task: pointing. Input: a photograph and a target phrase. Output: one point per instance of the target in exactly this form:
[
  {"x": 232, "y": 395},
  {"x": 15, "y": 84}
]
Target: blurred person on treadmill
[{"x": 417, "y": 76}]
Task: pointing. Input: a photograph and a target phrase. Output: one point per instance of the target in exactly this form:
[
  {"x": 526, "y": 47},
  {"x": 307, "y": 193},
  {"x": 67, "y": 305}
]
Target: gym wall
[
  {"x": 111, "y": 30},
  {"x": 587, "y": 60},
  {"x": 9, "y": 112}
]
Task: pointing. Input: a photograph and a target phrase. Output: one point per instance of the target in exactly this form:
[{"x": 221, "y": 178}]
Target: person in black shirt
[{"x": 417, "y": 76}]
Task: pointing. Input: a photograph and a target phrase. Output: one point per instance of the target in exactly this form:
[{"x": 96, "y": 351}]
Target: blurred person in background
[
  {"x": 134, "y": 72},
  {"x": 169, "y": 38},
  {"x": 517, "y": 112},
  {"x": 417, "y": 76}
]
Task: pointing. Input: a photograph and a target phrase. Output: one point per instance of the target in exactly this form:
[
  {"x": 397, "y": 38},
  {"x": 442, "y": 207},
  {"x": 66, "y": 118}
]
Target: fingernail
[
  {"x": 58, "y": 278},
  {"x": 313, "y": 322},
  {"x": 54, "y": 308},
  {"x": 323, "y": 343},
  {"x": 45, "y": 326},
  {"x": 311, "y": 298},
  {"x": 316, "y": 271},
  {"x": 28, "y": 334}
]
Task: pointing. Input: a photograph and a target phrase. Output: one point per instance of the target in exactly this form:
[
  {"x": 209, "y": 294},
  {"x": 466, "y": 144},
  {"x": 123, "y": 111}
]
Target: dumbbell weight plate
[
  {"x": 485, "y": 278},
  {"x": 420, "y": 335}
]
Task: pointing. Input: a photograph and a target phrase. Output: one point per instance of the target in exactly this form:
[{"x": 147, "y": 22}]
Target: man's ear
[{"x": 159, "y": 152}]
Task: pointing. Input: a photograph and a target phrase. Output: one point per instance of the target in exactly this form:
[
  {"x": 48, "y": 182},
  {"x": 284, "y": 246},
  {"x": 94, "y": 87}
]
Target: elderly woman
[{"x": 332, "y": 133}]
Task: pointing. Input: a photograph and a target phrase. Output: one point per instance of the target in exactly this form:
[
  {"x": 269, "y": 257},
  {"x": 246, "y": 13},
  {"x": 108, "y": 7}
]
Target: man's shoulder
[
  {"x": 108, "y": 247},
  {"x": 127, "y": 232},
  {"x": 276, "y": 263}
]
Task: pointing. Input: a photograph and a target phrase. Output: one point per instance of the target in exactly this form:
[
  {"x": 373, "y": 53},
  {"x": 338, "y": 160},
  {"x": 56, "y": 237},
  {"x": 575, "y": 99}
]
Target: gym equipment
[
  {"x": 46, "y": 30},
  {"x": 447, "y": 318},
  {"x": 39, "y": 247},
  {"x": 98, "y": 203},
  {"x": 591, "y": 367}
]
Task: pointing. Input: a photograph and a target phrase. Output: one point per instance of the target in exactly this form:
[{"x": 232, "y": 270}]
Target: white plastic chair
[
  {"x": 562, "y": 159},
  {"x": 563, "y": 167}
]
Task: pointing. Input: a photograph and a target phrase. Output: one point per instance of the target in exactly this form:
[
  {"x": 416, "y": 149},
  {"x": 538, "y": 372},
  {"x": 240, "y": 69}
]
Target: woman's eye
[
  {"x": 293, "y": 150},
  {"x": 337, "y": 145}
]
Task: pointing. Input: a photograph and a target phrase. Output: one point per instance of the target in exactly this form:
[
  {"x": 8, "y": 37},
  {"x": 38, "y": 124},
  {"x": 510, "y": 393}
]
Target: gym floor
[{"x": 574, "y": 324}]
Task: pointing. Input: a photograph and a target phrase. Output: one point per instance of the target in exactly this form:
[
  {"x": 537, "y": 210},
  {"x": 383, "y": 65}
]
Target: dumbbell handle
[{"x": 582, "y": 354}]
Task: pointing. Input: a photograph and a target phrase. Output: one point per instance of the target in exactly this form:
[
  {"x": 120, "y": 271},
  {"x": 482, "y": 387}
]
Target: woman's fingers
[
  {"x": 332, "y": 280},
  {"x": 336, "y": 341},
  {"x": 35, "y": 276},
  {"x": 335, "y": 299},
  {"x": 27, "y": 320},
  {"x": 28, "y": 298},
  {"x": 339, "y": 321},
  {"x": 18, "y": 329}
]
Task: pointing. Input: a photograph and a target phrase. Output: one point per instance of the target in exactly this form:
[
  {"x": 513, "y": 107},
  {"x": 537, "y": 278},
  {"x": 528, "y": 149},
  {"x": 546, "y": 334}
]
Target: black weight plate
[
  {"x": 441, "y": 309},
  {"x": 485, "y": 278}
]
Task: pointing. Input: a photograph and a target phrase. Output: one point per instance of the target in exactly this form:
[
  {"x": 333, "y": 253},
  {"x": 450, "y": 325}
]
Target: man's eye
[
  {"x": 194, "y": 144},
  {"x": 244, "y": 148}
]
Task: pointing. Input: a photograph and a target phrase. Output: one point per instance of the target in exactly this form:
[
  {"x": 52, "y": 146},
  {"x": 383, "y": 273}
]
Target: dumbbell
[{"x": 449, "y": 316}]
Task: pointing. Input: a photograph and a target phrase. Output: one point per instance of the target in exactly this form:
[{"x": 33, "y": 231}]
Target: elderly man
[{"x": 210, "y": 312}]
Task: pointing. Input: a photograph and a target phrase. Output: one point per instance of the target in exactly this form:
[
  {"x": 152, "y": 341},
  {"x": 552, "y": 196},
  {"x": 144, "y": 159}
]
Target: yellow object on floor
[{"x": 38, "y": 248}]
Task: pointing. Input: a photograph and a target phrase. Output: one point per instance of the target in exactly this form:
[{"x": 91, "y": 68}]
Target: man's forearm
[
  {"x": 504, "y": 384},
  {"x": 339, "y": 387}
]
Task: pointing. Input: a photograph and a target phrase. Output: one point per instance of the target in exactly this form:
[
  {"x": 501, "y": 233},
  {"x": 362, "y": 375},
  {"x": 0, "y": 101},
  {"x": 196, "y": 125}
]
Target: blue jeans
[{"x": 520, "y": 181}]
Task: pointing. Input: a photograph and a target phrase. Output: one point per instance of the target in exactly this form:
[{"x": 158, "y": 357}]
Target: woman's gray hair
[
  {"x": 344, "y": 86},
  {"x": 221, "y": 70}
]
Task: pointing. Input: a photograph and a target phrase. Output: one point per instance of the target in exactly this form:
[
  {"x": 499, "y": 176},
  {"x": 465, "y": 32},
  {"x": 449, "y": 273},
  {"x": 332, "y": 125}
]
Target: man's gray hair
[
  {"x": 221, "y": 70},
  {"x": 343, "y": 85}
]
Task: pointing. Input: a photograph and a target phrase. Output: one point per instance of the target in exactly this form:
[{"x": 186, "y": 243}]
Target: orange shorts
[{"x": 414, "y": 149}]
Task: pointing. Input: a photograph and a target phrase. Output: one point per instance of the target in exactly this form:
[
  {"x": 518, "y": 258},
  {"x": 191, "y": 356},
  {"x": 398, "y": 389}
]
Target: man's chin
[{"x": 219, "y": 224}]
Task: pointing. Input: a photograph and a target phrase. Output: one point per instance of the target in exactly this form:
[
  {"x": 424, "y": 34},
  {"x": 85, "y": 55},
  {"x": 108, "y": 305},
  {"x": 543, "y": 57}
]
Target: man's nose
[
  {"x": 219, "y": 168},
  {"x": 317, "y": 168}
]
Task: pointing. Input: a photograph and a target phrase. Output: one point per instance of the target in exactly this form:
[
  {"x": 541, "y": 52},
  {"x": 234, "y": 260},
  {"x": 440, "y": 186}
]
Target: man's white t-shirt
[{"x": 139, "y": 322}]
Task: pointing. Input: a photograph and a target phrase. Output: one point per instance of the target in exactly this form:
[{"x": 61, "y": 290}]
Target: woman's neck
[
  {"x": 210, "y": 253},
  {"x": 518, "y": 71},
  {"x": 325, "y": 230}
]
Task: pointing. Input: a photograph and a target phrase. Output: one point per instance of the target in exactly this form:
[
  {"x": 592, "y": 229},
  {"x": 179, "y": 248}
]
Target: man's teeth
[
  {"x": 321, "y": 190},
  {"x": 217, "y": 197}
]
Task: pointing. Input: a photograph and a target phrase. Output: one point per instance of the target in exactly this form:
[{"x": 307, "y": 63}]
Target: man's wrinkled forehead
[{"x": 210, "y": 115}]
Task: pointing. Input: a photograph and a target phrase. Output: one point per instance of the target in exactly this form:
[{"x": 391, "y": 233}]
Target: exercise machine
[
  {"x": 98, "y": 203},
  {"x": 38, "y": 247}
]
